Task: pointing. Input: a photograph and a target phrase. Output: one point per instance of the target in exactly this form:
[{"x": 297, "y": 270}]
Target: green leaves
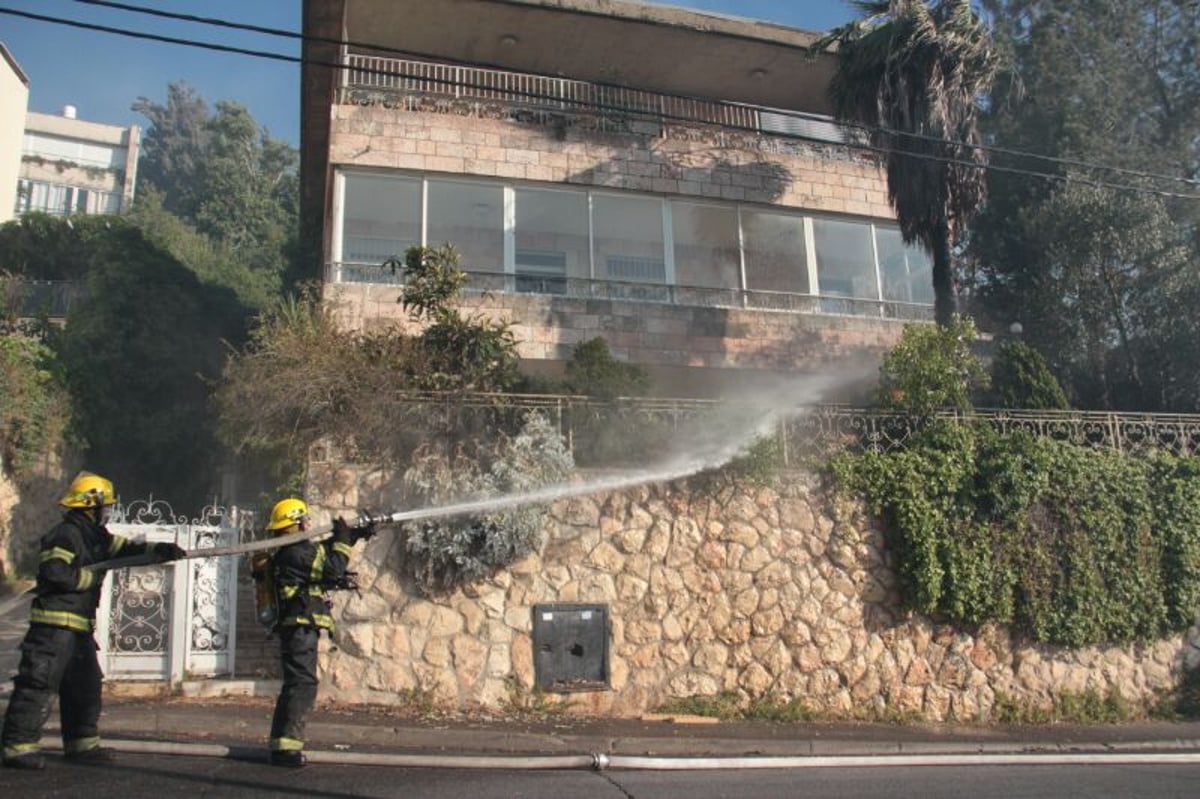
[
  {"x": 931, "y": 368},
  {"x": 34, "y": 406},
  {"x": 1071, "y": 545}
]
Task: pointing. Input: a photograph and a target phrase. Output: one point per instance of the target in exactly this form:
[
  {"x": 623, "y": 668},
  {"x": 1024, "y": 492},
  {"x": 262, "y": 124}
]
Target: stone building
[
  {"x": 71, "y": 166},
  {"x": 667, "y": 179}
]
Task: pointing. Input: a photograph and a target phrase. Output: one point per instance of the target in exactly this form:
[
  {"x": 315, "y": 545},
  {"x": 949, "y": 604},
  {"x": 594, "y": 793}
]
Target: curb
[{"x": 600, "y": 761}]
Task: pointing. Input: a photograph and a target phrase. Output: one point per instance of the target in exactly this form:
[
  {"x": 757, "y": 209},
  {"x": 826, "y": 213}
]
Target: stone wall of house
[
  {"x": 548, "y": 327},
  {"x": 693, "y": 162},
  {"x": 678, "y": 162},
  {"x": 780, "y": 592}
]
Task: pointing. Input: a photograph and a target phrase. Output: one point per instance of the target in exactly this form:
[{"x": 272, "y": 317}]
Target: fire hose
[{"x": 539, "y": 496}]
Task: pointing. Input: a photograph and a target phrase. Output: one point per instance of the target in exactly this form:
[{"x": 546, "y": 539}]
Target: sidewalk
[{"x": 244, "y": 722}]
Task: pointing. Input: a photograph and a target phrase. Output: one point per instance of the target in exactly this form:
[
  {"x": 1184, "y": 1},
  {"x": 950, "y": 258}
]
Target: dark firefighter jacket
[
  {"x": 304, "y": 572},
  {"x": 66, "y": 594}
]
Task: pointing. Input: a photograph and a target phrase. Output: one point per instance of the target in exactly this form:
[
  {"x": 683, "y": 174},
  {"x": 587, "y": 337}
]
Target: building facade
[
  {"x": 14, "y": 100},
  {"x": 665, "y": 179},
  {"x": 70, "y": 166}
]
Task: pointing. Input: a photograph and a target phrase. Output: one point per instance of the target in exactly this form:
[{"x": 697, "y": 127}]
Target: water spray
[{"x": 711, "y": 447}]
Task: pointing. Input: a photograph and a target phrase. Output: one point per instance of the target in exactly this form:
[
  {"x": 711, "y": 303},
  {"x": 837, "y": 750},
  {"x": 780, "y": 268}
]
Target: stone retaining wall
[{"x": 780, "y": 592}]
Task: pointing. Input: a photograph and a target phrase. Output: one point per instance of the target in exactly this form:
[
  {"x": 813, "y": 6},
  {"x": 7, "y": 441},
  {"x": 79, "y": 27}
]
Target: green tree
[
  {"x": 914, "y": 73},
  {"x": 137, "y": 351},
  {"x": 1103, "y": 280},
  {"x": 224, "y": 175},
  {"x": 173, "y": 147}
]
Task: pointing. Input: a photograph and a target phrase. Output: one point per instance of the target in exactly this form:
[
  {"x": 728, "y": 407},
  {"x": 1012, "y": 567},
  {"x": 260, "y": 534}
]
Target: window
[
  {"x": 697, "y": 252},
  {"x": 471, "y": 217},
  {"x": 628, "y": 239},
  {"x": 382, "y": 218},
  {"x": 845, "y": 259},
  {"x": 906, "y": 270},
  {"x": 551, "y": 237},
  {"x": 776, "y": 258},
  {"x": 706, "y": 245}
]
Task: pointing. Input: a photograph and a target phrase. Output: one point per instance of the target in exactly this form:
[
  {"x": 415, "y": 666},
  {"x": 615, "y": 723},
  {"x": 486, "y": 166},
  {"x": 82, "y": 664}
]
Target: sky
[{"x": 102, "y": 74}]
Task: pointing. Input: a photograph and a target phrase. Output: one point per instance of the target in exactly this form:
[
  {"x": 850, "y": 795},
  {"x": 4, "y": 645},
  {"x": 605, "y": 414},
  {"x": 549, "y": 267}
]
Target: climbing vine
[{"x": 1068, "y": 544}]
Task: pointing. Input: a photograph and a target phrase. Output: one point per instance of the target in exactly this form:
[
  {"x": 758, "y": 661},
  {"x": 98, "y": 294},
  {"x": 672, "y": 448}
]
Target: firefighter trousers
[
  {"x": 298, "y": 652},
  {"x": 54, "y": 661}
]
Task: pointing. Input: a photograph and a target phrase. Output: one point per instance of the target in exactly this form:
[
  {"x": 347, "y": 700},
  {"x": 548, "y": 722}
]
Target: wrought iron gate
[{"x": 176, "y": 620}]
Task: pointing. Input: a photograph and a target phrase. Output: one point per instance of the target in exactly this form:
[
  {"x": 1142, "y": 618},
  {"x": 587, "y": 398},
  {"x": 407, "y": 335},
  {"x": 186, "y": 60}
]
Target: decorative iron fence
[
  {"x": 639, "y": 430},
  {"x": 173, "y": 620},
  {"x": 31, "y": 299}
]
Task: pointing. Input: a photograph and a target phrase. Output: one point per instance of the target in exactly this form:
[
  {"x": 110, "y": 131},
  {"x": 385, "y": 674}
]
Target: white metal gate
[{"x": 173, "y": 621}]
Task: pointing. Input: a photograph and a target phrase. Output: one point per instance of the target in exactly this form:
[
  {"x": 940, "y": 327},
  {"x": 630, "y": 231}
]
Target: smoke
[{"x": 706, "y": 442}]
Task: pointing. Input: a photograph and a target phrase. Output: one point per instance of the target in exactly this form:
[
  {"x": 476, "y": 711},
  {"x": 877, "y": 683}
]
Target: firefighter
[
  {"x": 303, "y": 573},
  {"x": 58, "y": 655}
]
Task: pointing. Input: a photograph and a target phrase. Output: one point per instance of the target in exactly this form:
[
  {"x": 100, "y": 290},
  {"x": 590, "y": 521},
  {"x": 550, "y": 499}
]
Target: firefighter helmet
[
  {"x": 286, "y": 513},
  {"x": 89, "y": 490}
]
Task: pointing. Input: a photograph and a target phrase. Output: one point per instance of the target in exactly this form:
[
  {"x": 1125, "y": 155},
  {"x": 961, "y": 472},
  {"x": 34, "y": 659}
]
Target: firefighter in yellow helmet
[
  {"x": 58, "y": 655},
  {"x": 302, "y": 574}
]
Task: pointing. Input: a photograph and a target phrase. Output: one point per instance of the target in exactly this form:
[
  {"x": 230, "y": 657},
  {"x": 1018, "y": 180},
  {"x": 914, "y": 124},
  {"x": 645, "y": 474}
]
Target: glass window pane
[
  {"x": 706, "y": 245},
  {"x": 382, "y": 218},
  {"x": 471, "y": 217},
  {"x": 775, "y": 253},
  {"x": 845, "y": 260},
  {"x": 905, "y": 269},
  {"x": 551, "y": 239},
  {"x": 629, "y": 238}
]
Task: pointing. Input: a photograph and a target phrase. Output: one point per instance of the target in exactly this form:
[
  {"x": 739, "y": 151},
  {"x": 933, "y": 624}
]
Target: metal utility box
[{"x": 570, "y": 647}]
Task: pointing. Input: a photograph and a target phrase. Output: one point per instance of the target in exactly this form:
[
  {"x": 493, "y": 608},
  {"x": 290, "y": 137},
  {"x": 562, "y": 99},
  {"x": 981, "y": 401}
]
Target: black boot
[
  {"x": 289, "y": 759},
  {"x": 96, "y": 756},
  {"x": 29, "y": 761}
]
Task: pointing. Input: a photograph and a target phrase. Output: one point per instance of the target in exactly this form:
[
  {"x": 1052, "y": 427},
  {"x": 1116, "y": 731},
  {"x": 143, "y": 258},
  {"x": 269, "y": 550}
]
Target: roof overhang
[{"x": 652, "y": 47}]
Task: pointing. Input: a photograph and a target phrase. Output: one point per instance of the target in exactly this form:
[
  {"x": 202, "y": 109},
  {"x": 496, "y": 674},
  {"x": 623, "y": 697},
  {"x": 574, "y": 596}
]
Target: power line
[
  {"x": 594, "y": 106},
  {"x": 878, "y": 129}
]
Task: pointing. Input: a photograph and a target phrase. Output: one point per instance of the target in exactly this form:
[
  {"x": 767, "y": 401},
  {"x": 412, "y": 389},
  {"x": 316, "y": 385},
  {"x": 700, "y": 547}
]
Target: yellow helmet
[
  {"x": 286, "y": 513},
  {"x": 89, "y": 490}
]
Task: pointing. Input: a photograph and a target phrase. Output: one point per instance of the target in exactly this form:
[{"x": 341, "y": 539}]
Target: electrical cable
[
  {"x": 870, "y": 129},
  {"x": 595, "y": 106}
]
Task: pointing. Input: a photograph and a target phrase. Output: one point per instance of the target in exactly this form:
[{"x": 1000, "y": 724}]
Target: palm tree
[{"x": 912, "y": 73}]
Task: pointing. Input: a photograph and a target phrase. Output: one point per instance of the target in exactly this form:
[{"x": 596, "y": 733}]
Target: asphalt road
[{"x": 160, "y": 776}]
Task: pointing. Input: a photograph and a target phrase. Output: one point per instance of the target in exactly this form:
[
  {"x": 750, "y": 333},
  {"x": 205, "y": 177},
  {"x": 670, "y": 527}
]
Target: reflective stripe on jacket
[
  {"x": 66, "y": 594},
  {"x": 303, "y": 573}
]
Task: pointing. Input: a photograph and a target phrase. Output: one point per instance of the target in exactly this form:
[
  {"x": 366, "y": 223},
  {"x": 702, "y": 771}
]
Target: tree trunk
[{"x": 945, "y": 299}]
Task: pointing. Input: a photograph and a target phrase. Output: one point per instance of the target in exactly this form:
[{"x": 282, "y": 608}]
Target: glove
[
  {"x": 165, "y": 552},
  {"x": 342, "y": 531}
]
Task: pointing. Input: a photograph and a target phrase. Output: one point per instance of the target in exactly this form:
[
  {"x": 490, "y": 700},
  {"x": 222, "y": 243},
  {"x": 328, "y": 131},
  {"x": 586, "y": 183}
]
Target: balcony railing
[
  {"x": 658, "y": 293},
  {"x": 31, "y": 299},
  {"x": 372, "y": 79}
]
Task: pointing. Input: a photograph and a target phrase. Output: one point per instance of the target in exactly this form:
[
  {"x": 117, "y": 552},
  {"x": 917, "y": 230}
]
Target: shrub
[
  {"x": 593, "y": 372},
  {"x": 446, "y": 553},
  {"x": 931, "y": 367}
]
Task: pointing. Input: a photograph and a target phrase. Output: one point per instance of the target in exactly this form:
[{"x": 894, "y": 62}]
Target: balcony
[{"x": 414, "y": 85}]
